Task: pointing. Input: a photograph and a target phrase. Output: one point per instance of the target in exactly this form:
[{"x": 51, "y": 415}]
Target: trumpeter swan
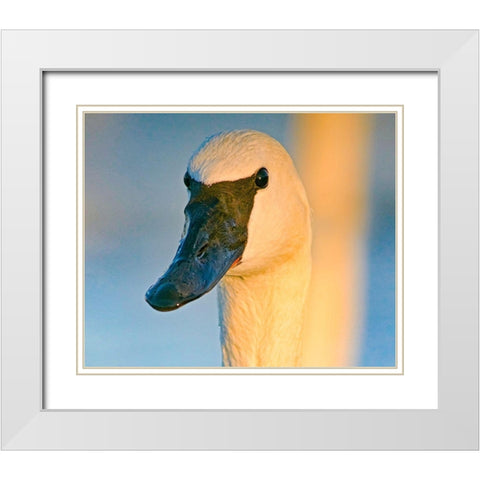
[{"x": 247, "y": 227}]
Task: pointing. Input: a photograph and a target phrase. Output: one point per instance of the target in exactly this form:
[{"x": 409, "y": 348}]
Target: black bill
[{"x": 216, "y": 221}]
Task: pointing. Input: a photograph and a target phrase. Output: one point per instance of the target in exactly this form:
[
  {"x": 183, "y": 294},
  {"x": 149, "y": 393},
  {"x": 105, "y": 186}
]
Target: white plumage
[{"x": 262, "y": 299}]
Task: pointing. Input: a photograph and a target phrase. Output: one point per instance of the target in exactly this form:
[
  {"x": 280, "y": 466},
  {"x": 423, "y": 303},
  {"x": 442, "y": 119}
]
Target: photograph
[{"x": 239, "y": 239}]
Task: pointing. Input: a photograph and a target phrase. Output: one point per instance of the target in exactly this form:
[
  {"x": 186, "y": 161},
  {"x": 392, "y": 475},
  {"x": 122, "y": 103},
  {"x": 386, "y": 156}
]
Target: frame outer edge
[
  {"x": 25, "y": 426},
  {"x": 459, "y": 273}
]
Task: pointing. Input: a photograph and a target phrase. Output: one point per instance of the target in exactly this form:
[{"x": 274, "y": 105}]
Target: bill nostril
[{"x": 202, "y": 251}]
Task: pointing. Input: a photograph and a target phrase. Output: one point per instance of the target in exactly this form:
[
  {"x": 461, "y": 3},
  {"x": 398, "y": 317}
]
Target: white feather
[{"x": 262, "y": 299}]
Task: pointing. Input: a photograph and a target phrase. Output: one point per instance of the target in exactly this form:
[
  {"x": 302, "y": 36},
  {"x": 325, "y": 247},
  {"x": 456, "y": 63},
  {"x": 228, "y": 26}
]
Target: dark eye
[
  {"x": 261, "y": 179},
  {"x": 186, "y": 179}
]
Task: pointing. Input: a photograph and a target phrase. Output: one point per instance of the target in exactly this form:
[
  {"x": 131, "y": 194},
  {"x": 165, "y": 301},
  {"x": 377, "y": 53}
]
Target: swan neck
[{"x": 261, "y": 315}]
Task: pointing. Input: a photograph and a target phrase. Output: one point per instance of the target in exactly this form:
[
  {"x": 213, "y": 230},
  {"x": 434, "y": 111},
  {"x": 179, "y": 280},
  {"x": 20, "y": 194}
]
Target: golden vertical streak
[{"x": 333, "y": 154}]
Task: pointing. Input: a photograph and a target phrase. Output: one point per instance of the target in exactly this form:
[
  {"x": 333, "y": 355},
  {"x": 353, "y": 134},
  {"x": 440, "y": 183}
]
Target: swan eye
[
  {"x": 186, "y": 179},
  {"x": 261, "y": 179}
]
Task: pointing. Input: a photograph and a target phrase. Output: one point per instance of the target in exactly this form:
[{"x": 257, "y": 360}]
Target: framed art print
[{"x": 195, "y": 250}]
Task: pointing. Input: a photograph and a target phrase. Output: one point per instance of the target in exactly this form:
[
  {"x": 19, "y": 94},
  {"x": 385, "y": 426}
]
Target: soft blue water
[
  {"x": 134, "y": 216},
  {"x": 378, "y": 345}
]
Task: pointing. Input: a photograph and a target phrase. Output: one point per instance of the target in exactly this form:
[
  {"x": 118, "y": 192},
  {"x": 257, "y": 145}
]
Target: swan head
[{"x": 247, "y": 212}]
